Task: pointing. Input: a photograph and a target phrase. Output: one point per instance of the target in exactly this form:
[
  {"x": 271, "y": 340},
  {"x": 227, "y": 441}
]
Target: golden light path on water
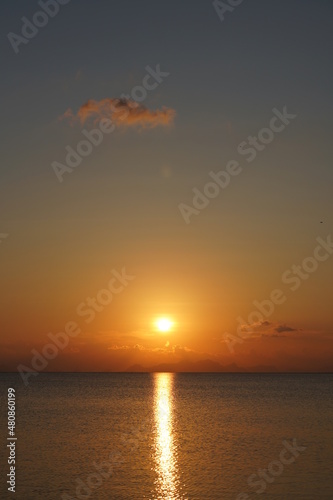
[{"x": 165, "y": 453}]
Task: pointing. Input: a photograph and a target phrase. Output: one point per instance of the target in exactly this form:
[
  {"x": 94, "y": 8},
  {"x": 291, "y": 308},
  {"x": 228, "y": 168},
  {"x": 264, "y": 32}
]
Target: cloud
[
  {"x": 136, "y": 347},
  {"x": 167, "y": 348},
  {"x": 285, "y": 328},
  {"x": 250, "y": 332},
  {"x": 122, "y": 112},
  {"x": 258, "y": 327}
]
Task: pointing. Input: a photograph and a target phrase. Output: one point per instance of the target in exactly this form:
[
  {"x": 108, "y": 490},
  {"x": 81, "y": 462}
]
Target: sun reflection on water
[{"x": 165, "y": 452}]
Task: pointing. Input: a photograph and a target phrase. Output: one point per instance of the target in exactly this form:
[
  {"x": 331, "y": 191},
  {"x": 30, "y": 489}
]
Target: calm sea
[{"x": 171, "y": 436}]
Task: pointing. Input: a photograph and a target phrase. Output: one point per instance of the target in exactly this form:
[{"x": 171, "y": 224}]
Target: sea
[{"x": 133, "y": 436}]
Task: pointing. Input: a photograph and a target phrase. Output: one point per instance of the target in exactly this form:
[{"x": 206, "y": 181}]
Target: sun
[{"x": 164, "y": 324}]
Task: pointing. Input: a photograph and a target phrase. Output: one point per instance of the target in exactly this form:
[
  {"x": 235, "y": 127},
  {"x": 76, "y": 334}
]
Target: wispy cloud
[
  {"x": 265, "y": 328},
  {"x": 122, "y": 112},
  {"x": 285, "y": 328}
]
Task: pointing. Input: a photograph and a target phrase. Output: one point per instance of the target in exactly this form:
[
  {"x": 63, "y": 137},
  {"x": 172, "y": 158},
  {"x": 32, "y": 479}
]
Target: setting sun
[{"x": 164, "y": 324}]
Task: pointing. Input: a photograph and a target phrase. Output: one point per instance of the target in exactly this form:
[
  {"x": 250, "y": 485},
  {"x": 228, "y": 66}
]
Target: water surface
[{"x": 171, "y": 436}]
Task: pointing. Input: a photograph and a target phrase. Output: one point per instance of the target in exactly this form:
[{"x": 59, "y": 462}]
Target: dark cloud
[{"x": 285, "y": 328}]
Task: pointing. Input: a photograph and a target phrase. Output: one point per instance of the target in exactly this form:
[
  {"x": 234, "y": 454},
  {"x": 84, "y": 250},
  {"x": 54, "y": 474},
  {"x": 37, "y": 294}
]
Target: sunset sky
[{"x": 119, "y": 207}]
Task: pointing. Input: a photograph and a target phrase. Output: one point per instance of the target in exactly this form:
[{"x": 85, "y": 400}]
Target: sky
[{"x": 182, "y": 93}]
